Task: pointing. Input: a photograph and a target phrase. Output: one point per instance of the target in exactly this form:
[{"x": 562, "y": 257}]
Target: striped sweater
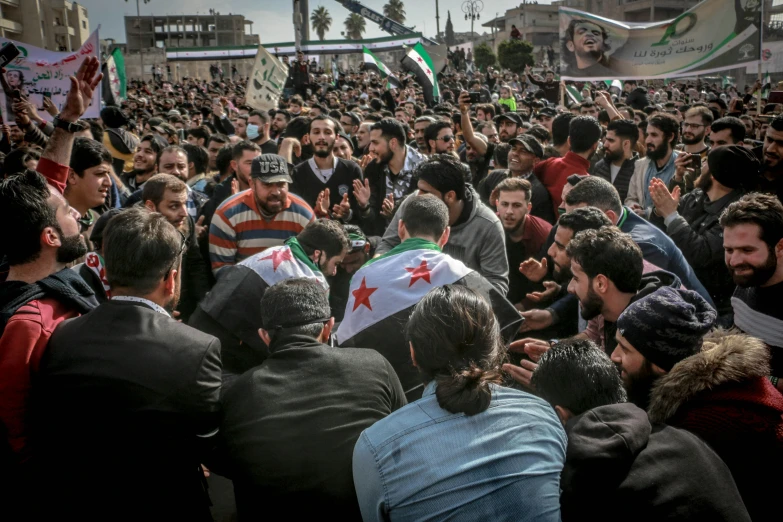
[{"x": 238, "y": 230}]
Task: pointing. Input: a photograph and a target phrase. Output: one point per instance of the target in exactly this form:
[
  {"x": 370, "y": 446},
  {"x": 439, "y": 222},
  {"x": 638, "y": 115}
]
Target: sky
[{"x": 272, "y": 18}]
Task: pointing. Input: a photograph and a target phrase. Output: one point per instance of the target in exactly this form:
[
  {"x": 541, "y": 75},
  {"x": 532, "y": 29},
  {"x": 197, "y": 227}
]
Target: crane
[{"x": 390, "y": 26}]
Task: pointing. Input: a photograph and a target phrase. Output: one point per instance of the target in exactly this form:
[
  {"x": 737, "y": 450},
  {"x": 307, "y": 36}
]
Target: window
[{"x": 84, "y": 24}]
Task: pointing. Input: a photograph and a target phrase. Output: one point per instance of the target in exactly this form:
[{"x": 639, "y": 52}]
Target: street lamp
[{"x": 472, "y": 8}]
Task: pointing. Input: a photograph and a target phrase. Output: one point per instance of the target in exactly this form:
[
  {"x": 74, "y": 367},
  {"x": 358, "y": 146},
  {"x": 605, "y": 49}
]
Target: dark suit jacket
[{"x": 127, "y": 400}]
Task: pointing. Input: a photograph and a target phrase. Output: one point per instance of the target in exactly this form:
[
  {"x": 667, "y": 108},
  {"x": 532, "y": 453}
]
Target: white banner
[
  {"x": 771, "y": 59},
  {"x": 37, "y": 73},
  {"x": 266, "y": 82}
]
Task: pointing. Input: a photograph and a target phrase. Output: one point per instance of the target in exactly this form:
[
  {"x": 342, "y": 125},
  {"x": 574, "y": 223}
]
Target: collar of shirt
[
  {"x": 134, "y": 299},
  {"x": 315, "y": 168},
  {"x": 575, "y": 159}
]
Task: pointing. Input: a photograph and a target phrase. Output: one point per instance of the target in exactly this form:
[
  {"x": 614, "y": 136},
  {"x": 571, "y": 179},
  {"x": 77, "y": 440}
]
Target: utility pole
[
  {"x": 297, "y": 26},
  {"x": 437, "y": 19}
]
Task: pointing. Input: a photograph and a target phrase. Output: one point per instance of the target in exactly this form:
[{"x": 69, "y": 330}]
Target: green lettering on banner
[{"x": 671, "y": 30}]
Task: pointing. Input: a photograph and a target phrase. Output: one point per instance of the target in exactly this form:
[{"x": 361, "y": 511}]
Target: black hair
[
  {"x": 25, "y": 209},
  {"x": 594, "y": 191},
  {"x": 390, "y": 129},
  {"x": 223, "y": 159},
  {"x": 200, "y": 133},
  {"x": 540, "y": 133},
  {"x": 425, "y": 215},
  {"x": 668, "y": 124},
  {"x": 609, "y": 252},
  {"x": 456, "y": 341},
  {"x": 777, "y": 123},
  {"x": 432, "y": 130},
  {"x": 293, "y": 301},
  {"x": 764, "y": 210},
  {"x": 325, "y": 235},
  {"x": 87, "y": 153},
  {"x": 583, "y": 133},
  {"x": 445, "y": 173},
  {"x": 730, "y": 122},
  {"x": 298, "y": 127},
  {"x": 155, "y": 145},
  {"x": 239, "y": 148},
  {"x": 197, "y": 155},
  {"x": 16, "y": 160},
  {"x": 625, "y": 130},
  {"x": 577, "y": 375},
  {"x": 560, "y": 128},
  {"x": 585, "y": 218},
  {"x": 218, "y": 138},
  {"x": 338, "y": 127},
  {"x": 96, "y": 129},
  {"x": 501, "y": 155},
  {"x": 568, "y": 56}
]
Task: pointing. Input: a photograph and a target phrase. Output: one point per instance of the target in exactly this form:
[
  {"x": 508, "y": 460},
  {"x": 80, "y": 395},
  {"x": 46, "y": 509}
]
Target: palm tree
[
  {"x": 395, "y": 10},
  {"x": 321, "y": 21},
  {"x": 354, "y": 26}
]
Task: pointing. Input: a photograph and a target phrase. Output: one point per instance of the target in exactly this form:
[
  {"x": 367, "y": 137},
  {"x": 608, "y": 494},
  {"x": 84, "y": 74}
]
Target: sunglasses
[{"x": 446, "y": 139}]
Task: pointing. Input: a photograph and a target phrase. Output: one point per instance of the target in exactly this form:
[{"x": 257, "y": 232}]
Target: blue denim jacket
[{"x": 424, "y": 463}]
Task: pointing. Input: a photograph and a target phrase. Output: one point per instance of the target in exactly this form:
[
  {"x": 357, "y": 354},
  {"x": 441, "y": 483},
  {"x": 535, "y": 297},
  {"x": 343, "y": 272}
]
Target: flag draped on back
[
  {"x": 373, "y": 64},
  {"x": 418, "y": 62}
]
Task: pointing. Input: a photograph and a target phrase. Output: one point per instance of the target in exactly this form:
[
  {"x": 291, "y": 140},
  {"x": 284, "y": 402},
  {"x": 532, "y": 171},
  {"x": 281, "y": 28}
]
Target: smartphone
[
  {"x": 8, "y": 53},
  {"x": 16, "y": 94},
  {"x": 475, "y": 96},
  {"x": 215, "y": 101},
  {"x": 695, "y": 163},
  {"x": 47, "y": 95}
]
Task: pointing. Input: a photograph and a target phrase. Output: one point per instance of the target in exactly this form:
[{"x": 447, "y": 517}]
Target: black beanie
[{"x": 732, "y": 166}]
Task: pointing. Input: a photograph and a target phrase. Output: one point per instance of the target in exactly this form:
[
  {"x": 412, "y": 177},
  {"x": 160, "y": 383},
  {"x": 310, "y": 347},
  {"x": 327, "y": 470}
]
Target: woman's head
[{"x": 455, "y": 340}]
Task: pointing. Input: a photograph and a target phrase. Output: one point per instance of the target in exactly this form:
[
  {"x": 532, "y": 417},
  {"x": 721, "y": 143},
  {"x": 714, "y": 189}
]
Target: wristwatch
[{"x": 68, "y": 126}]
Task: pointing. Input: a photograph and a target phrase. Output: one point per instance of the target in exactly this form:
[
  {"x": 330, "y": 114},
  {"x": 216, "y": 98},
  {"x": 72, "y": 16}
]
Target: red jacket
[{"x": 553, "y": 174}]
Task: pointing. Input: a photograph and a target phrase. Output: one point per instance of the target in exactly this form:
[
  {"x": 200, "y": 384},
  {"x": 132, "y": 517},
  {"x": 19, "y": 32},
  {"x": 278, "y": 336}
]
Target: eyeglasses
[
  {"x": 446, "y": 139},
  {"x": 182, "y": 248},
  {"x": 686, "y": 125}
]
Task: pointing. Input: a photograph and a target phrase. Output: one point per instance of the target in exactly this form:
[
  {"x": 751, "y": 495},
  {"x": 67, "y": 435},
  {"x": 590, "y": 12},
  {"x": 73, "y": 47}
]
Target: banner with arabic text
[
  {"x": 712, "y": 36},
  {"x": 266, "y": 82},
  {"x": 38, "y": 73}
]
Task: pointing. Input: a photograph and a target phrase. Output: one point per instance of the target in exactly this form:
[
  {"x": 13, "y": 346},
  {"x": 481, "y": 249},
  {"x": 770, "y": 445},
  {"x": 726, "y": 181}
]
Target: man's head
[
  {"x": 508, "y": 126},
  {"x": 588, "y": 108},
  {"x": 297, "y": 306},
  {"x": 696, "y": 125},
  {"x": 168, "y": 195},
  {"x": 143, "y": 254},
  {"x": 604, "y": 262},
  {"x": 295, "y": 104},
  {"x": 89, "y": 176},
  {"x": 718, "y": 106},
  {"x": 243, "y": 154},
  {"x": 326, "y": 243},
  {"x": 343, "y": 146},
  {"x": 359, "y": 252},
  {"x": 585, "y": 43},
  {"x": 198, "y": 135},
  {"x": 214, "y": 144},
  {"x": 198, "y": 159},
  {"x": 174, "y": 160},
  {"x": 525, "y": 152},
  {"x": 425, "y": 217},
  {"x": 350, "y": 122},
  {"x": 584, "y": 132},
  {"x": 16, "y": 134},
  {"x": 656, "y": 332},
  {"x": 546, "y": 116},
  {"x": 593, "y": 191},
  {"x": 729, "y": 165},
  {"x": 323, "y": 133},
  {"x": 387, "y": 138},
  {"x": 42, "y": 226},
  {"x": 472, "y": 155},
  {"x": 727, "y": 131},
  {"x": 145, "y": 159},
  {"x": 485, "y": 112},
  {"x": 440, "y": 138},
  {"x": 419, "y": 129},
  {"x": 443, "y": 176},
  {"x": 240, "y": 126},
  {"x": 773, "y": 145},
  {"x": 620, "y": 140},
  {"x": 269, "y": 179},
  {"x": 753, "y": 240},
  {"x": 280, "y": 121},
  {"x": 575, "y": 376},
  {"x": 569, "y": 225},
  {"x": 561, "y": 127},
  {"x": 513, "y": 203},
  {"x": 662, "y": 133},
  {"x": 258, "y": 125},
  {"x": 363, "y": 134}
]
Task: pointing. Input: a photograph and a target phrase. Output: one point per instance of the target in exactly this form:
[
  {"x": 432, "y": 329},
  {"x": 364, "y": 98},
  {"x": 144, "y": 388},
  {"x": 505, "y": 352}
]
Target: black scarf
[{"x": 66, "y": 286}]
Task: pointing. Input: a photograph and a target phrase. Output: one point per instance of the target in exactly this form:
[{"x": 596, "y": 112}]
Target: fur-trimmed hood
[{"x": 727, "y": 356}]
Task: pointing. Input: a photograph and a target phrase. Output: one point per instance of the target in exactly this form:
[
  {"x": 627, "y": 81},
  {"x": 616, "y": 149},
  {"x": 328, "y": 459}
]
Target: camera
[{"x": 475, "y": 96}]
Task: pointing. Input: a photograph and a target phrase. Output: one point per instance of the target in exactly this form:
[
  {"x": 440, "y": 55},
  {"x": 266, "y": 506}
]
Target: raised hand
[
  {"x": 535, "y": 320},
  {"x": 665, "y": 202},
  {"x": 83, "y": 84},
  {"x": 343, "y": 210},
  {"x": 322, "y": 204},
  {"x": 361, "y": 191},
  {"x": 522, "y": 373},
  {"x": 387, "y": 208},
  {"x": 534, "y": 270},
  {"x": 552, "y": 289}
]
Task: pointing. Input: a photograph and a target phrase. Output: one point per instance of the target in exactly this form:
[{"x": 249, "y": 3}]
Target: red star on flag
[
  {"x": 419, "y": 272},
  {"x": 362, "y": 295},
  {"x": 420, "y": 59},
  {"x": 278, "y": 256},
  {"x": 429, "y": 73}
]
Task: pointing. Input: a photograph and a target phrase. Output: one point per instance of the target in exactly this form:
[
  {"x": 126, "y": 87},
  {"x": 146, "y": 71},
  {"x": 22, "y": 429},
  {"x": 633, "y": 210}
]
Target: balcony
[
  {"x": 14, "y": 3},
  {"x": 60, "y": 4},
  {"x": 10, "y": 25},
  {"x": 61, "y": 30}
]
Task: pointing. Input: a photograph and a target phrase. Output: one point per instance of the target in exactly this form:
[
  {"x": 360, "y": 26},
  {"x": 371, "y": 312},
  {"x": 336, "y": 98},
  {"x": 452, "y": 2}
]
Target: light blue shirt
[
  {"x": 665, "y": 174},
  {"x": 424, "y": 463}
]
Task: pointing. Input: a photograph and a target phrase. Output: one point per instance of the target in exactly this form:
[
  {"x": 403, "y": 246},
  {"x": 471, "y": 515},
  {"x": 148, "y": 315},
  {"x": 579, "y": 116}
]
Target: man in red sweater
[
  {"x": 39, "y": 291},
  {"x": 584, "y": 132}
]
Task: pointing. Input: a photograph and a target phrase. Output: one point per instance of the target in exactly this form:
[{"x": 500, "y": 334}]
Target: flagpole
[{"x": 761, "y": 58}]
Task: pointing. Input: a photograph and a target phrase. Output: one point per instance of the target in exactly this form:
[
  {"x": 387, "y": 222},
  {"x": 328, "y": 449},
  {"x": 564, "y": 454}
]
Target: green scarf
[
  {"x": 299, "y": 253},
  {"x": 413, "y": 243}
]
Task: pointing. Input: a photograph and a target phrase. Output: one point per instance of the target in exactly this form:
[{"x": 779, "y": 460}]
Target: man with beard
[
  {"x": 584, "y": 133},
  {"x": 279, "y": 124},
  {"x": 145, "y": 161},
  {"x": 584, "y": 49},
  {"x": 263, "y": 216},
  {"x": 343, "y": 147},
  {"x": 753, "y": 245},
  {"x": 168, "y": 195},
  {"x": 620, "y": 156},
  {"x": 389, "y": 169},
  {"x": 693, "y": 220},
  {"x": 325, "y": 182},
  {"x": 695, "y": 129},
  {"x": 39, "y": 291},
  {"x": 771, "y": 177},
  {"x": 714, "y": 384},
  {"x": 550, "y": 87},
  {"x": 240, "y": 126},
  {"x": 231, "y": 310},
  {"x": 440, "y": 138},
  {"x": 525, "y": 233},
  {"x": 363, "y": 138},
  {"x": 662, "y": 133},
  {"x": 508, "y": 125},
  {"x": 258, "y": 124},
  {"x": 478, "y": 164},
  {"x": 419, "y": 129},
  {"x": 215, "y": 143},
  {"x": 129, "y": 389}
]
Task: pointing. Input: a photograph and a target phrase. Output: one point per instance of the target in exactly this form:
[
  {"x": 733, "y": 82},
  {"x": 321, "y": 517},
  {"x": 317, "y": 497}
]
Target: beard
[
  {"x": 72, "y": 248},
  {"x": 593, "y": 306},
  {"x": 612, "y": 155},
  {"x": 694, "y": 140},
  {"x": 640, "y": 385},
  {"x": 658, "y": 152},
  {"x": 561, "y": 274},
  {"x": 596, "y": 54},
  {"x": 384, "y": 159},
  {"x": 704, "y": 182},
  {"x": 323, "y": 153},
  {"x": 758, "y": 274},
  {"x": 174, "y": 302}
]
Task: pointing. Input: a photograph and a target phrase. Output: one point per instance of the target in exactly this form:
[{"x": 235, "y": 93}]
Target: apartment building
[
  {"x": 57, "y": 25},
  {"x": 198, "y": 30}
]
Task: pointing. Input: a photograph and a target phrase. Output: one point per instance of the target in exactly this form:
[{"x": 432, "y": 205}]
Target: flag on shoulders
[
  {"x": 418, "y": 62},
  {"x": 373, "y": 64}
]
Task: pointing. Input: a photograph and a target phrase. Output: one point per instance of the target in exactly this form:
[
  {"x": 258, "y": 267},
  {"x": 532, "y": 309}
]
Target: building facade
[
  {"x": 56, "y": 25},
  {"x": 210, "y": 30}
]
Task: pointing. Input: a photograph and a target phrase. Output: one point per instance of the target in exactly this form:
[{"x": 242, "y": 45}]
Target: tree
[
  {"x": 450, "y": 40},
  {"x": 484, "y": 56},
  {"x": 321, "y": 21},
  {"x": 515, "y": 55},
  {"x": 354, "y": 26},
  {"x": 395, "y": 10}
]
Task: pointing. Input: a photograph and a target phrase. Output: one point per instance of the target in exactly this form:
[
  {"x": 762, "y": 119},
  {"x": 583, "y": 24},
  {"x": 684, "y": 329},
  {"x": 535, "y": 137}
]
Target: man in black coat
[
  {"x": 128, "y": 392},
  {"x": 290, "y": 424},
  {"x": 654, "y": 471}
]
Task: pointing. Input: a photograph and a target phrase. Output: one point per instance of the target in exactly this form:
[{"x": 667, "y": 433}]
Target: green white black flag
[
  {"x": 373, "y": 64},
  {"x": 418, "y": 62}
]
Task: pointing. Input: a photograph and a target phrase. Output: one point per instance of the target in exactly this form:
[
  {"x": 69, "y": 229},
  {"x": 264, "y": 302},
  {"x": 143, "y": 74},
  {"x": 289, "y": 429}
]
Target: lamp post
[
  {"x": 141, "y": 46},
  {"x": 472, "y": 8}
]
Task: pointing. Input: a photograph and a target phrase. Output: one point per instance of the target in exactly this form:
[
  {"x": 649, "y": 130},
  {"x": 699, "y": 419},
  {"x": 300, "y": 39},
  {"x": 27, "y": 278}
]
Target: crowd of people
[{"x": 358, "y": 305}]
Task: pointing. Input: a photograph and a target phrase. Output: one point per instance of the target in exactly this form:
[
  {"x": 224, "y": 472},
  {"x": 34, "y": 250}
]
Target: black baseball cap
[
  {"x": 510, "y": 116},
  {"x": 548, "y": 111},
  {"x": 270, "y": 168},
  {"x": 530, "y": 143}
]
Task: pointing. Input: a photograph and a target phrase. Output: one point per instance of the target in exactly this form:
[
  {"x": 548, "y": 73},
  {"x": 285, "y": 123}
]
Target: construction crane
[{"x": 388, "y": 25}]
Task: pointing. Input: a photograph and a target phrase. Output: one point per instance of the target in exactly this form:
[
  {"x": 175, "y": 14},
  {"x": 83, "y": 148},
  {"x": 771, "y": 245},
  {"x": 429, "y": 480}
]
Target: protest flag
[
  {"x": 373, "y": 64},
  {"x": 418, "y": 62},
  {"x": 114, "y": 82}
]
